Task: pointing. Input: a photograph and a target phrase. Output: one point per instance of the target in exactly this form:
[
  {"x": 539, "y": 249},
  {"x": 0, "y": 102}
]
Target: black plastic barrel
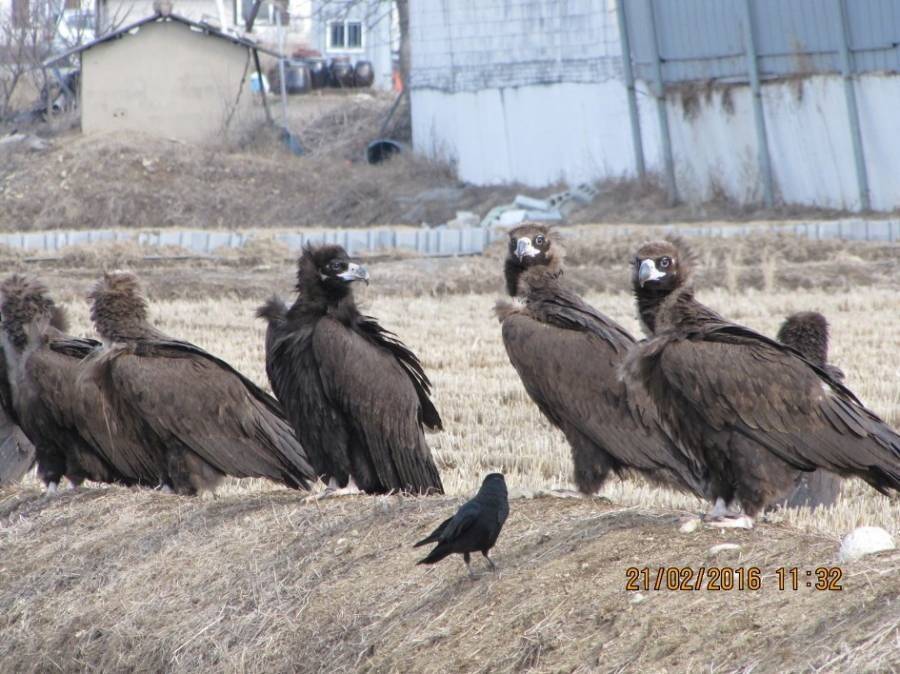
[
  {"x": 364, "y": 74},
  {"x": 297, "y": 78},
  {"x": 318, "y": 72},
  {"x": 342, "y": 74},
  {"x": 382, "y": 149}
]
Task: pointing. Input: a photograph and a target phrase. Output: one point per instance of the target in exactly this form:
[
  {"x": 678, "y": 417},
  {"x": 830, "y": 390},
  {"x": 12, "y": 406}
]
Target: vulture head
[
  {"x": 662, "y": 266},
  {"x": 326, "y": 272},
  {"x": 659, "y": 268},
  {"x": 118, "y": 306},
  {"x": 26, "y": 309},
  {"x": 532, "y": 248}
]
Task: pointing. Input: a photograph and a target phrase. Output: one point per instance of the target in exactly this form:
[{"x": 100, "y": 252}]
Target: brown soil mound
[{"x": 111, "y": 580}]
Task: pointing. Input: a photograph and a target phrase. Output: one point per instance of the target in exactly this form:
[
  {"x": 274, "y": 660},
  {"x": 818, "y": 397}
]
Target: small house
[{"x": 169, "y": 76}]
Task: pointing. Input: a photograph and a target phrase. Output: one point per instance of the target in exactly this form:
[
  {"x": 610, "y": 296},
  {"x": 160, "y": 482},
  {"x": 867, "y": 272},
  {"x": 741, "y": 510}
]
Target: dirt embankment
[
  {"x": 112, "y": 580},
  {"x": 132, "y": 180}
]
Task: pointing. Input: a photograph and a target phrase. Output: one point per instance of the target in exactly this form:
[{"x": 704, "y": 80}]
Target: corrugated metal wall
[{"x": 704, "y": 39}]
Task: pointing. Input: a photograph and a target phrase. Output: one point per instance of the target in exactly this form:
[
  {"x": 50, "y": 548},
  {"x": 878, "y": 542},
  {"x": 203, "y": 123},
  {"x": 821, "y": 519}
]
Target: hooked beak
[
  {"x": 355, "y": 272},
  {"x": 525, "y": 249},
  {"x": 649, "y": 272}
]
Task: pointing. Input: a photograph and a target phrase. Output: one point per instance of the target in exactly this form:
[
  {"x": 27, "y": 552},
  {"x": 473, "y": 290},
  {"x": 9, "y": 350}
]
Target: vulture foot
[
  {"x": 52, "y": 489},
  {"x": 333, "y": 490},
  {"x": 730, "y": 521}
]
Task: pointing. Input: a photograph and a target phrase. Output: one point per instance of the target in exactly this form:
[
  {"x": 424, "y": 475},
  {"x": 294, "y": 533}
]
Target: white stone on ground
[{"x": 864, "y": 541}]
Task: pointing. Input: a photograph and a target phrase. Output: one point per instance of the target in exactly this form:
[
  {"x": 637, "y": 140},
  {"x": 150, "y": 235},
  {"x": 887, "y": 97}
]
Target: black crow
[{"x": 475, "y": 526}]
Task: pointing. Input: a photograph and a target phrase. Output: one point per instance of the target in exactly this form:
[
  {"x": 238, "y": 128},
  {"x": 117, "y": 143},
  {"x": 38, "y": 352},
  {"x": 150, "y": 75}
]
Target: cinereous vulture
[
  {"x": 568, "y": 356},
  {"x": 357, "y": 396},
  {"x": 749, "y": 408},
  {"x": 17, "y": 454},
  {"x": 42, "y": 366},
  {"x": 474, "y": 527},
  {"x": 179, "y": 412},
  {"x": 807, "y": 332}
]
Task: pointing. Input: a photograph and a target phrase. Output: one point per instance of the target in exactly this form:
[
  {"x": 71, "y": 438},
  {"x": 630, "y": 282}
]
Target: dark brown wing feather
[
  {"x": 728, "y": 384},
  {"x": 320, "y": 371},
  {"x": 567, "y": 356},
  {"x": 380, "y": 396},
  {"x": 46, "y": 406},
  {"x": 16, "y": 450},
  {"x": 410, "y": 363},
  {"x": 191, "y": 398}
]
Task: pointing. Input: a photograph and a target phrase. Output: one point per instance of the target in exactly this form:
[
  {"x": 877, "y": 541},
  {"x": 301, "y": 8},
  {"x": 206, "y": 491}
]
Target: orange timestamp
[{"x": 728, "y": 578}]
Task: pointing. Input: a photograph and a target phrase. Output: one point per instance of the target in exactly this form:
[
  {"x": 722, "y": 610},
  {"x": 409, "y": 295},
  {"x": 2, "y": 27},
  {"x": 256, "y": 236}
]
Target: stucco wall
[{"x": 170, "y": 81}]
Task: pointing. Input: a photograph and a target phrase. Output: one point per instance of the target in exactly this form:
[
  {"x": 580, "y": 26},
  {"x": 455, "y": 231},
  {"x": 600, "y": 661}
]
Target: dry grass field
[{"x": 107, "y": 579}]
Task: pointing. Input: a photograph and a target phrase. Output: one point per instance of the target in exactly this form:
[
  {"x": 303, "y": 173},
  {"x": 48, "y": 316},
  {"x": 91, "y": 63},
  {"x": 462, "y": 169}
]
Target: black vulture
[
  {"x": 357, "y": 396},
  {"x": 475, "y": 526},
  {"x": 568, "y": 356},
  {"x": 17, "y": 454},
  {"x": 750, "y": 409},
  {"x": 176, "y": 413},
  {"x": 807, "y": 332},
  {"x": 42, "y": 365}
]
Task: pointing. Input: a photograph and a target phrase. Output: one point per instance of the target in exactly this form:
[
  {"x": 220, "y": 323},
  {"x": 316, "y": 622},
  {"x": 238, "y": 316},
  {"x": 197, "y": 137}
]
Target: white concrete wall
[
  {"x": 535, "y": 135},
  {"x": 170, "y": 81},
  {"x": 531, "y": 91},
  {"x": 520, "y": 90}
]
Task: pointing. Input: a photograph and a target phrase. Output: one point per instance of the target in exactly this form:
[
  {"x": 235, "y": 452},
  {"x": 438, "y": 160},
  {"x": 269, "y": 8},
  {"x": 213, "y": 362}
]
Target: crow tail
[{"x": 435, "y": 555}]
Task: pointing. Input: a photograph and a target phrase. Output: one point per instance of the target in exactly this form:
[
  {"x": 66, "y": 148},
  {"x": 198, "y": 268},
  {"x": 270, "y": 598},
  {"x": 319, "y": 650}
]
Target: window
[
  {"x": 266, "y": 15},
  {"x": 345, "y": 35}
]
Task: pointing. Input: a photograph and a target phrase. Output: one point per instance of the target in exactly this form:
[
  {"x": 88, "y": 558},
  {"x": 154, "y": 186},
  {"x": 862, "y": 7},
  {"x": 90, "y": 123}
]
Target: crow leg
[
  {"x": 489, "y": 560},
  {"x": 468, "y": 559}
]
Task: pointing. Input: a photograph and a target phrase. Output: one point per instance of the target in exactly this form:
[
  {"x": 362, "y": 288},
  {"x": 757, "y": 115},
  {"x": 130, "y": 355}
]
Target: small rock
[
  {"x": 638, "y": 598},
  {"x": 864, "y": 541},
  {"x": 36, "y": 144},
  {"x": 520, "y": 492},
  {"x": 690, "y": 526},
  {"x": 723, "y": 547}
]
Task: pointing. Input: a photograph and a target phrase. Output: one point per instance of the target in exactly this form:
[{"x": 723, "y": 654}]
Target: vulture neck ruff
[
  {"x": 122, "y": 317},
  {"x": 317, "y": 300},
  {"x": 521, "y": 281},
  {"x": 649, "y": 303},
  {"x": 26, "y": 312}
]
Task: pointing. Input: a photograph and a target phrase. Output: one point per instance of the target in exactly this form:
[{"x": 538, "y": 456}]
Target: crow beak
[
  {"x": 525, "y": 249},
  {"x": 649, "y": 272},
  {"x": 355, "y": 272}
]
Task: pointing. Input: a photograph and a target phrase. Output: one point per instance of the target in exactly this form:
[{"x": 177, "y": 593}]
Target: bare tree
[{"x": 33, "y": 32}]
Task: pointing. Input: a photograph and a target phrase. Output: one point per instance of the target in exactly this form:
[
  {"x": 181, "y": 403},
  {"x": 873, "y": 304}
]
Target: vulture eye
[
  {"x": 665, "y": 263},
  {"x": 539, "y": 240},
  {"x": 335, "y": 265}
]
